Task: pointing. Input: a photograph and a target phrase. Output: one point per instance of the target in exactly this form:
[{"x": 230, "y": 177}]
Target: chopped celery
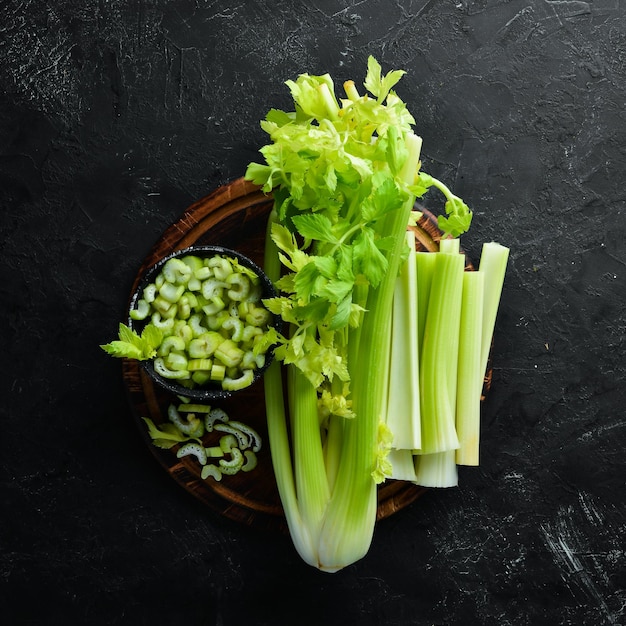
[
  {"x": 234, "y": 464},
  {"x": 231, "y": 383},
  {"x": 229, "y": 353},
  {"x": 250, "y": 461},
  {"x": 194, "y": 305},
  {"x": 193, "y": 449},
  {"x": 239, "y": 441}
]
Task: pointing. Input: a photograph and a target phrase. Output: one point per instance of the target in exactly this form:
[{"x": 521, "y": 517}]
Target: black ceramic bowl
[{"x": 210, "y": 390}]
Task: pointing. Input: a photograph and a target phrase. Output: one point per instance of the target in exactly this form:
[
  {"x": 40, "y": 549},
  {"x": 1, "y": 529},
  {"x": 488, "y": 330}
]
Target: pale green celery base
[
  {"x": 403, "y": 465},
  {"x": 312, "y": 488},
  {"x": 278, "y": 433},
  {"x": 278, "y": 439},
  {"x": 437, "y": 470}
]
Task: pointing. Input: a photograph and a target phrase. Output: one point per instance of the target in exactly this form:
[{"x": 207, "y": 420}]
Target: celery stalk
[
  {"x": 351, "y": 515},
  {"x": 277, "y": 432},
  {"x": 437, "y": 470},
  {"x": 493, "y": 262},
  {"x": 450, "y": 246},
  {"x": 403, "y": 406},
  {"x": 310, "y": 473},
  {"x": 440, "y": 355},
  {"x": 470, "y": 376},
  {"x": 425, "y": 262},
  {"x": 403, "y": 465}
]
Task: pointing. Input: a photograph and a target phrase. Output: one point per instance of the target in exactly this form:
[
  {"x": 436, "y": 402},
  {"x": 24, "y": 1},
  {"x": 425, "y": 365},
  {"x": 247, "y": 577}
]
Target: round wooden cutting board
[{"x": 235, "y": 216}]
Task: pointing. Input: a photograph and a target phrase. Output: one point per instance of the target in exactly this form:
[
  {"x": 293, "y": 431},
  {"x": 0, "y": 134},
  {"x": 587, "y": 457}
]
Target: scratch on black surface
[{"x": 581, "y": 569}]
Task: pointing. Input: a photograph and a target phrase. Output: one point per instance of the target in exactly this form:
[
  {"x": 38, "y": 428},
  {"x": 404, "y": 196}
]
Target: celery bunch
[
  {"x": 345, "y": 174},
  {"x": 455, "y": 312}
]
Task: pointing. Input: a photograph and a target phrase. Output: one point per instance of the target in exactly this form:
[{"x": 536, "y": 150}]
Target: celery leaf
[
  {"x": 369, "y": 260},
  {"x": 131, "y": 345},
  {"x": 314, "y": 226}
]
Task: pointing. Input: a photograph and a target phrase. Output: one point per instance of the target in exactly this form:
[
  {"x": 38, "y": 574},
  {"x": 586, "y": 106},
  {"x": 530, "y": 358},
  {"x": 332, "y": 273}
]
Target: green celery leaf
[
  {"x": 308, "y": 281},
  {"x": 341, "y": 317},
  {"x": 286, "y": 283},
  {"x": 283, "y": 238},
  {"x": 310, "y": 98},
  {"x": 128, "y": 335},
  {"x": 164, "y": 444},
  {"x": 373, "y": 77},
  {"x": 260, "y": 175},
  {"x": 385, "y": 197},
  {"x": 344, "y": 256},
  {"x": 383, "y": 465},
  {"x": 454, "y": 225},
  {"x": 336, "y": 291},
  {"x": 167, "y": 432},
  {"x": 278, "y": 117},
  {"x": 455, "y": 206},
  {"x": 122, "y": 350},
  {"x": 151, "y": 338},
  {"x": 265, "y": 341},
  {"x": 331, "y": 362},
  {"x": 314, "y": 226},
  {"x": 369, "y": 260},
  {"x": 280, "y": 305},
  {"x": 132, "y": 346},
  {"x": 326, "y": 265},
  {"x": 378, "y": 85},
  {"x": 314, "y": 312}
]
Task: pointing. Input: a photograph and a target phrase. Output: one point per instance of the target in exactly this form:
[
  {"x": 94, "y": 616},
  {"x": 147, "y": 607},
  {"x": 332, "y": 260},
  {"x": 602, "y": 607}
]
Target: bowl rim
[{"x": 212, "y": 392}]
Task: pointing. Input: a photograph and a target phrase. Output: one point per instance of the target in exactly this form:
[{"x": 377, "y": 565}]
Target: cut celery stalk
[
  {"x": 493, "y": 262},
  {"x": 438, "y": 470},
  {"x": 438, "y": 369},
  {"x": 470, "y": 376},
  {"x": 403, "y": 465},
  {"x": 403, "y": 402},
  {"x": 425, "y": 263},
  {"x": 450, "y": 246}
]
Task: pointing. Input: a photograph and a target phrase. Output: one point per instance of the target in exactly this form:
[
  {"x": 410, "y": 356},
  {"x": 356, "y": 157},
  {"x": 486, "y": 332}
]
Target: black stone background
[{"x": 115, "y": 116}]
